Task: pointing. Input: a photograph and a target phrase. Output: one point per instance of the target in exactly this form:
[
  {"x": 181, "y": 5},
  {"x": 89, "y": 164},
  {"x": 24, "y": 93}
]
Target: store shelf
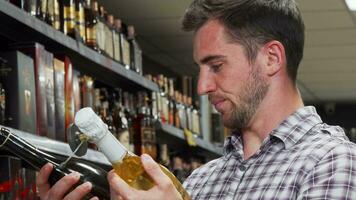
[
  {"x": 19, "y": 26},
  {"x": 176, "y": 136},
  {"x": 57, "y": 147}
]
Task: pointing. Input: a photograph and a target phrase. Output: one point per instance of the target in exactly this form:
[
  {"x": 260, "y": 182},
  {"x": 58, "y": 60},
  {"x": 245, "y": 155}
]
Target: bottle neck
[
  {"x": 24, "y": 150},
  {"x": 111, "y": 148}
]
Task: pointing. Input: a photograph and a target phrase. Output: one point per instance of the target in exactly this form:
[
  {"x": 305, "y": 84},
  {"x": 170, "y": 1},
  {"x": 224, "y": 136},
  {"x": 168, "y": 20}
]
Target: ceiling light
[{"x": 351, "y": 4}]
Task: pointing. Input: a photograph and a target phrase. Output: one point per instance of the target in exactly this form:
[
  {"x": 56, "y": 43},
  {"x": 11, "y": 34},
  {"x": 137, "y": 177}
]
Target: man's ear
[{"x": 275, "y": 54}]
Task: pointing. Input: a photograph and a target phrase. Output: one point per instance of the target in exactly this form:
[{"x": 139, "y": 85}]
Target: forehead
[{"x": 212, "y": 39}]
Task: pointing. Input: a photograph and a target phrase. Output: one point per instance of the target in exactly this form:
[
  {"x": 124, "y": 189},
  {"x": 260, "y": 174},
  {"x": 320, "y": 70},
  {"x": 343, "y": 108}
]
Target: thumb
[{"x": 154, "y": 170}]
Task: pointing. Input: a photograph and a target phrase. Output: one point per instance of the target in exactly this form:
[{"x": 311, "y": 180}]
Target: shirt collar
[{"x": 290, "y": 131}]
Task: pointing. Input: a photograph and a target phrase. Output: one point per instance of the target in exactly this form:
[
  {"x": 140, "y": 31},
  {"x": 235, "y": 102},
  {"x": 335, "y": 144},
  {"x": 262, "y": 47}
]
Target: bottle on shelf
[
  {"x": 129, "y": 115},
  {"x": 144, "y": 132},
  {"x": 196, "y": 119},
  {"x": 101, "y": 30},
  {"x": 127, "y": 165},
  {"x": 171, "y": 101},
  {"x": 67, "y": 8},
  {"x": 177, "y": 122},
  {"x": 109, "y": 35},
  {"x": 42, "y": 8},
  {"x": 80, "y": 19},
  {"x": 49, "y": 12},
  {"x": 56, "y": 16},
  {"x": 125, "y": 47},
  {"x": 37, "y": 158},
  {"x": 117, "y": 40},
  {"x": 135, "y": 50},
  {"x": 91, "y": 26}
]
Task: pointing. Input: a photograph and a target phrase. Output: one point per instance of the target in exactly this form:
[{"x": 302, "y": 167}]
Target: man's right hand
[{"x": 60, "y": 189}]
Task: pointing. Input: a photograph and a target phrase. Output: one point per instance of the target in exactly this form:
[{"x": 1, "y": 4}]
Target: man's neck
[{"x": 275, "y": 108}]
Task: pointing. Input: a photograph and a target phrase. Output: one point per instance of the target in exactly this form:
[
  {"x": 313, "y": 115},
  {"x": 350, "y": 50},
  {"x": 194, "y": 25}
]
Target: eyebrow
[{"x": 210, "y": 58}]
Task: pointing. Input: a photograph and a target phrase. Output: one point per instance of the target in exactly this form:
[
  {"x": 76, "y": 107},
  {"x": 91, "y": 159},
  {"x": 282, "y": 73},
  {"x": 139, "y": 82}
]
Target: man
[{"x": 248, "y": 52}]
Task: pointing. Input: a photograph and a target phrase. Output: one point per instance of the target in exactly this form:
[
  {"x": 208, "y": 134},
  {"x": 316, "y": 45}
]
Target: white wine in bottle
[{"x": 126, "y": 164}]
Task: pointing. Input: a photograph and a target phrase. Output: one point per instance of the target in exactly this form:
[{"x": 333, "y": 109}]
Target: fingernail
[
  {"x": 87, "y": 185},
  {"x": 49, "y": 166},
  {"x": 75, "y": 175},
  {"x": 146, "y": 157}
]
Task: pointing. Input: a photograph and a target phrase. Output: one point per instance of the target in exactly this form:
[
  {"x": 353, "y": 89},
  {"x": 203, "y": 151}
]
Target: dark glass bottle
[
  {"x": 68, "y": 17},
  {"x": 144, "y": 134},
  {"x": 37, "y": 158},
  {"x": 80, "y": 19},
  {"x": 91, "y": 26}
]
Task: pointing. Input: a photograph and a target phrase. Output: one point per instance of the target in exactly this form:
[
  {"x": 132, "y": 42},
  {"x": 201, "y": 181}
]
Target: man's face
[{"x": 235, "y": 86}]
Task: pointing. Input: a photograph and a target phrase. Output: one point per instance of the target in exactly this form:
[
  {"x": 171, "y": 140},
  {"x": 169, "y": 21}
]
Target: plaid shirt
[{"x": 302, "y": 158}]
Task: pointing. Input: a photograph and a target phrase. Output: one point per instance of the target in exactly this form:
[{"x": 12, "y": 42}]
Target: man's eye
[{"x": 215, "y": 67}]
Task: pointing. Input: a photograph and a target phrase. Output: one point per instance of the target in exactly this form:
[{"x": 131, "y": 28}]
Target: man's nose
[{"x": 206, "y": 83}]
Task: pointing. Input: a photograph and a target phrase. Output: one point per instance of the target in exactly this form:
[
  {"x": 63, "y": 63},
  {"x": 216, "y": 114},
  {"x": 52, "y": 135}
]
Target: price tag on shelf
[{"x": 189, "y": 137}]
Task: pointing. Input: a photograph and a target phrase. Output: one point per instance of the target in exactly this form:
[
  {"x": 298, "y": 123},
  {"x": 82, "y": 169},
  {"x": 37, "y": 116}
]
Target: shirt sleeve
[{"x": 334, "y": 177}]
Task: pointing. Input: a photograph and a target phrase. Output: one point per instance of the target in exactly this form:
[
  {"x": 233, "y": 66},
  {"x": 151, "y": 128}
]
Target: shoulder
[{"x": 327, "y": 145}]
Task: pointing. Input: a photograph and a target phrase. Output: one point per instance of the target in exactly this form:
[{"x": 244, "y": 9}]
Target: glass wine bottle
[
  {"x": 37, "y": 158},
  {"x": 127, "y": 165}
]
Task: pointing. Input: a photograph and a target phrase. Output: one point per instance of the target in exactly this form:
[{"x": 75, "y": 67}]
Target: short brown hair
[{"x": 252, "y": 23}]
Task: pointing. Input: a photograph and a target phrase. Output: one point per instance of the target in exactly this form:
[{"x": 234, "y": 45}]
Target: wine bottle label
[{"x": 69, "y": 19}]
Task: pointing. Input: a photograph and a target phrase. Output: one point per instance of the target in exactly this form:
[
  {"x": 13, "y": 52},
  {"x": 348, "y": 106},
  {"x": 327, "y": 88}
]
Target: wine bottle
[
  {"x": 37, "y": 158},
  {"x": 127, "y": 165}
]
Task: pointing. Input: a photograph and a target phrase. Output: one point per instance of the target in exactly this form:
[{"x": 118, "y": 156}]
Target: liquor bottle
[
  {"x": 117, "y": 40},
  {"x": 125, "y": 47},
  {"x": 177, "y": 108},
  {"x": 109, "y": 36},
  {"x": 80, "y": 19},
  {"x": 91, "y": 26},
  {"x": 120, "y": 120},
  {"x": 37, "y": 158},
  {"x": 196, "y": 119},
  {"x": 127, "y": 165},
  {"x": 68, "y": 17},
  {"x": 189, "y": 111},
  {"x": 129, "y": 116},
  {"x": 165, "y": 99},
  {"x": 135, "y": 50},
  {"x": 101, "y": 30},
  {"x": 31, "y": 7},
  {"x": 42, "y": 9},
  {"x": 171, "y": 106},
  {"x": 56, "y": 16},
  {"x": 2, "y": 104},
  {"x": 144, "y": 133},
  {"x": 49, "y": 12}
]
